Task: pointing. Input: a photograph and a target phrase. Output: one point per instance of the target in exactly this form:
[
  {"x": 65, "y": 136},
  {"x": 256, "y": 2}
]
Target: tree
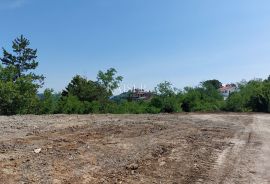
[
  {"x": 165, "y": 99},
  {"x": 48, "y": 102},
  {"x": 165, "y": 89},
  {"x": 7, "y": 73},
  {"x": 70, "y": 105},
  {"x": 108, "y": 80},
  {"x": 253, "y": 95},
  {"x": 268, "y": 79},
  {"x": 85, "y": 90},
  {"x": 18, "y": 97},
  {"x": 216, "y": 83},
  {"x": 201, "y": 99},
  {"x": 8, "y": 96},
  {"x": 22, "y": 60},
  {"x": 259, "y": 100},
  {"x": 18, "y": 87}
]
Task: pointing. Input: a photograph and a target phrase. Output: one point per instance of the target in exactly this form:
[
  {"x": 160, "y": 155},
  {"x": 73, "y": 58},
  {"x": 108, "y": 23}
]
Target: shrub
[{"x": 70, "y": 105}]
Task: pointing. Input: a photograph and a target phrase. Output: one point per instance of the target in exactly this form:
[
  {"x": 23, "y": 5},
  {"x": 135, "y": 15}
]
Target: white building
[{"x": 227, "y": 89}]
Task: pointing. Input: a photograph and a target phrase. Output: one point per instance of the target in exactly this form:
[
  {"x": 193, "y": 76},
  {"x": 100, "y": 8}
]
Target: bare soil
[{"x": 131, "y": 149}]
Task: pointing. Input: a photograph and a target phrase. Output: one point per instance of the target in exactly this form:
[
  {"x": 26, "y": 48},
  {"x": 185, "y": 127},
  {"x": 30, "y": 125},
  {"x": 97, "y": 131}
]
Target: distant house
[
  {"x": 133, "y": 95},
  {"x": 227, "y": 89},
  {"x": 140, "y": 94}
]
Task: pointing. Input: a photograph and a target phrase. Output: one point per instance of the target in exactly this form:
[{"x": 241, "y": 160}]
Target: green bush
[
  {"x": 152, "y": 110},
  {"x": 48, "y": 102},
  {"x": 92, "y": 107},
  {"x": 252, "y": 96},
  {"x": 170, "y": 105},
  {"x": 238, "y": 101},
  {"x": 70, "y": 105},
  {"x": 205, "y": 99},
  {"x": 19, "y": 97}
]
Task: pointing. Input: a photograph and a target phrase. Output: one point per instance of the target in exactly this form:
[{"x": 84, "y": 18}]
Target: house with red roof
[{"x": 227, "y": 89}]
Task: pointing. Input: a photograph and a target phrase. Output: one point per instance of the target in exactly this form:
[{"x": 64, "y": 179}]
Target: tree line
[{"x": 19, "y": 85}]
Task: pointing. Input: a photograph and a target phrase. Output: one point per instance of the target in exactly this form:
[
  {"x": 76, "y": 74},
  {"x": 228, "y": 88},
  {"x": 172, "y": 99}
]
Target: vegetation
[
  {"x": 19, "y": 87},
  {"x": 108, "y": 80},
  {"x": 214, "y": 83},
  {"x": 18, "y": 84},
  {"x": 166, "y": 98},
  {"x": 253, "y": 96}
]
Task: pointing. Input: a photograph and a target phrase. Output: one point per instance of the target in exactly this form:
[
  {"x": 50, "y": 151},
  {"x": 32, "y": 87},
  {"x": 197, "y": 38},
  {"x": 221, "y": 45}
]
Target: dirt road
[{"x": 173, "y": 149}]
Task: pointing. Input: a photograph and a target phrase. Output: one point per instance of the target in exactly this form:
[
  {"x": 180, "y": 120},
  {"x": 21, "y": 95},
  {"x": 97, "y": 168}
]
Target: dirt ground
[{"x": 131, "y": 149}]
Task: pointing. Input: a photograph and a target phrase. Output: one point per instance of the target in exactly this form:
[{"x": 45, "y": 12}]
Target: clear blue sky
[{"x": 147, "y": 41}]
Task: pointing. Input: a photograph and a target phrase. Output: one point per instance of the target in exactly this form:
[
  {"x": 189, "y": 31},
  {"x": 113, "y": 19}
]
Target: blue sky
[{"x": 147, "y": 41}]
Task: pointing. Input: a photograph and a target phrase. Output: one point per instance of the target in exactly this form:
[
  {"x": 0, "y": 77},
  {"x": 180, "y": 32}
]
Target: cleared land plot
[{"x": 175, "y": 149}]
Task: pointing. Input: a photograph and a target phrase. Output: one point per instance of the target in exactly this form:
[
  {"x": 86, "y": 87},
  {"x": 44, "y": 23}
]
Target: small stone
[
  {"x": 162, "y": 163},
  {"x": 37, "y": 150},
  {"x": 133, "y": 166}
]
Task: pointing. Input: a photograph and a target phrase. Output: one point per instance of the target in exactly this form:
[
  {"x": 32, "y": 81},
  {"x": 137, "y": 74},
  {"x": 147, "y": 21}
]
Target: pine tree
[{"x": 22, "y": 59}]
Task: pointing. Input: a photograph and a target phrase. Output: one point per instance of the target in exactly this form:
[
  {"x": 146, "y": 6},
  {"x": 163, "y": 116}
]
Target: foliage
[
  {"x": 18, "y": 97},
  {"x": 70, "y": 105},
  {"x": 165, "y": 89},
  {"x": 93, "y": 107},
  {"x": 48, "y": 102},
  {"x": 205, "y": 99},
  {"x": 122, "y": 97},
  {"x": 19, "y": 92},
  {"x": 126, "y": 107},
  {"x": 260, "y": 100},
  {"x": 22, "y": 60},
  {"x": 166, "y": 99},
  {"x": 8, "y": 97},
  {"x": 85, "y": 90},
  {"x": 252, "y": 96},
  {"x": 215, "y": 83},
  {"x": 152, "y": 110},
  {"x": 108, "y": 80},
  {"x": 18, "y": 87},
  {"x": 268, "y": 79}
]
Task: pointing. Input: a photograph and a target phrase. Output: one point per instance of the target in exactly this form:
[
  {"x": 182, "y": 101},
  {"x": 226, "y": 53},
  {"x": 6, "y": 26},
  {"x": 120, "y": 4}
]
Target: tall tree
[
  {"x": 109, "y": 80},
  {"x": 22, "y": 59},
  {"x": 18, "y": 85}
]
